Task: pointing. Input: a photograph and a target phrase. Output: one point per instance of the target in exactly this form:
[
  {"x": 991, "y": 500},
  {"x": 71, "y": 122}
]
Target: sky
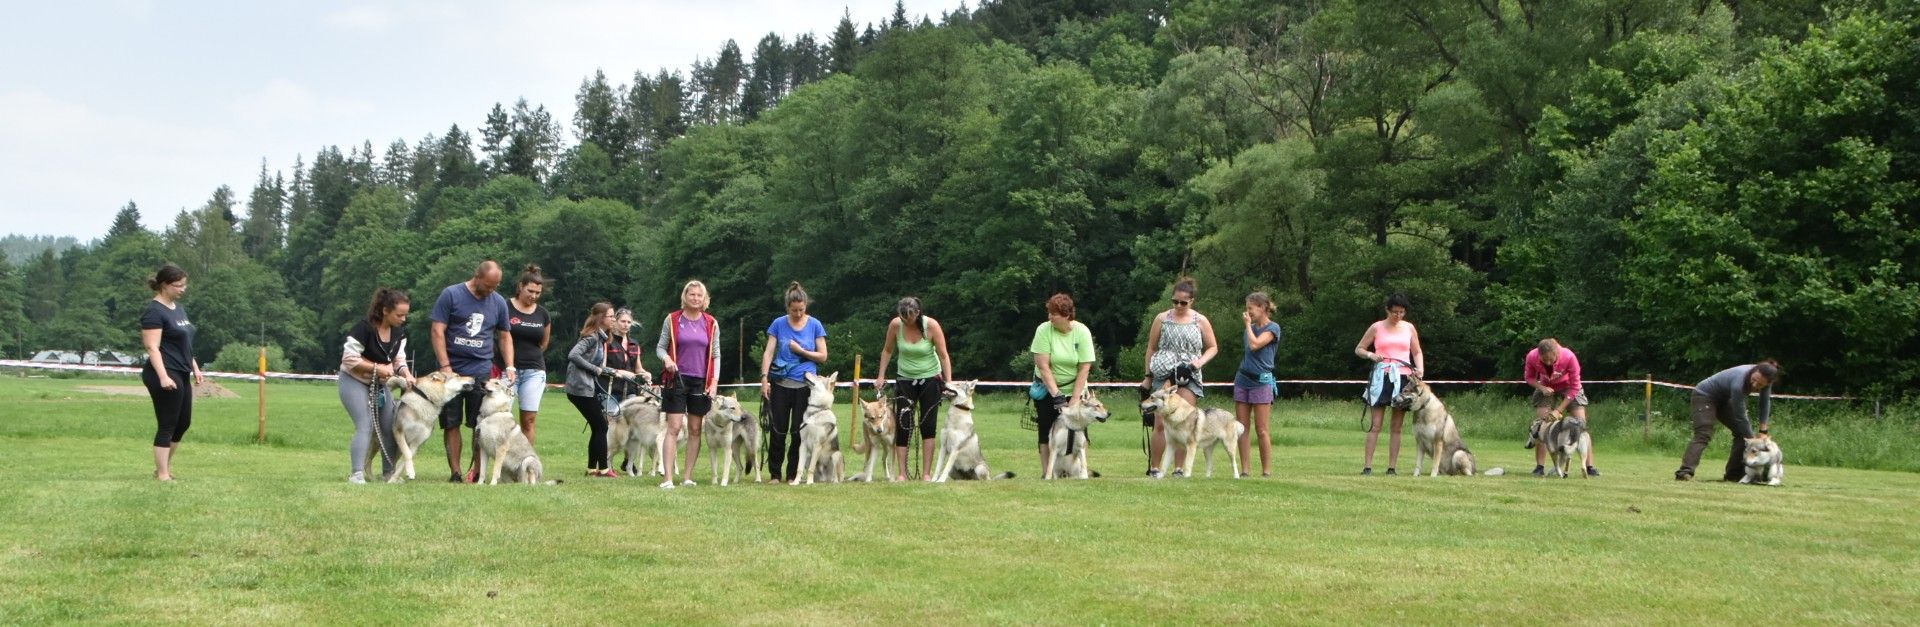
[{"x": 108, "y": 101}]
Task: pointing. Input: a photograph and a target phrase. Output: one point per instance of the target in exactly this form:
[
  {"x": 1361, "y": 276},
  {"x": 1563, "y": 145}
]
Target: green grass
[{"x": 257, "y": 534}]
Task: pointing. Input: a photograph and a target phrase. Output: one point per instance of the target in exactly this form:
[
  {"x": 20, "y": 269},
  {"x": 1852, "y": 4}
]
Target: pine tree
[
  {"x": 265, "y": 230},
  {"x": 125, "y": 223},
  {"x": 843, "y": 49},
  {"x": 397, "y": 168},
  {"x": 804, "y": 62},
  {"x": 493, "y": 140},
  {"x": 596, "y": 117},
  {"x": 768, "y": 81}
]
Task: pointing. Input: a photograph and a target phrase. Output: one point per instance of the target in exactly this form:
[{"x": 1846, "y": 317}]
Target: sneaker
[
  {"x": 1179, "y": 473},
  {"x": 1390, "y": 472},
  {"x": 1593, "y": 472},
  {"x": 356, "y": 478},
  {"x": 1539, "y": 470},
  {"x": 1366, "y": 472},
  {"x": 1683, "y": 475},
  {"x": 1154, "y": 474},
  {"x": 473, "y": 475},
  {"x": 455, "y": 478},
  {"x": 688, "y": 483},
  {"x": 666, "y": 485}
]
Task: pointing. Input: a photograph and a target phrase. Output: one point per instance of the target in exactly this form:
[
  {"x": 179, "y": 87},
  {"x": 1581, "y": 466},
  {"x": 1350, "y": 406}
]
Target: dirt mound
[{"x": 210, "y": 390}]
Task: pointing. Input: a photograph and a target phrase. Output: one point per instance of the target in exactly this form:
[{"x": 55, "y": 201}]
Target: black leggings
[
  {"x": 589, "y": 407},
  {"x": 789, "y": 407},
  {"x": 172, "y": 409},
  {"x": 916, "y": 396}
]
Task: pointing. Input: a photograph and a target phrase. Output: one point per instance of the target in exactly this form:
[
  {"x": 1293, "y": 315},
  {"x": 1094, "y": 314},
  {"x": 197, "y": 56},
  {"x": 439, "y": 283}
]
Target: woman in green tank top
[{"x": 924, "y": 371}]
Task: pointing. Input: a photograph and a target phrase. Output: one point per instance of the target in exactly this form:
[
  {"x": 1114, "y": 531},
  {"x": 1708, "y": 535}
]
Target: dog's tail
[
  {"x": 1495, "y": 472},
  {"x": 553, "y": 482},
  {"x": 1005, "y": 475}
]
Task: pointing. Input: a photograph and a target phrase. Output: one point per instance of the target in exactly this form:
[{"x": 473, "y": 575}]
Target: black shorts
[
  {"x": 465, "y": 404},
  {"x": 687, "y": 395},
  {"x": 916, "y": 397}
]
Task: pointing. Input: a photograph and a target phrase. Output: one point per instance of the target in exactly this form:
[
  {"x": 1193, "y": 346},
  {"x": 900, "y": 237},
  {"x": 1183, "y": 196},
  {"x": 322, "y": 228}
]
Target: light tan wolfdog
[
  {"x": 418, "y": 413},
  {"x": 1068, "y": 439},
  {"x": 877, "y": 425},
  {"x": 638, "y": 429},
  {"x": 1194, "y": 429},
  {"x": 820, "y": 434},
  {"x": 1435, "y": 432},
  {"x": 503, "y": 447},
  {"x": 959, "y": 453},
  {"x": 733, "y": 439}
]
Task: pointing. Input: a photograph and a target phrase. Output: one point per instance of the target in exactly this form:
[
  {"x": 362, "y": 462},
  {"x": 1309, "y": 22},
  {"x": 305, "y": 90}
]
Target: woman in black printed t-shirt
[{"x": 168, "y": 337}]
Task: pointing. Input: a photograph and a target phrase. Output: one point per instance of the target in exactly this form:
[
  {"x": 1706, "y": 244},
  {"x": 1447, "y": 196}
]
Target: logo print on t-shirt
[
  {"x": 474, "y": 323},
  {"x": 515, "y": 321}
]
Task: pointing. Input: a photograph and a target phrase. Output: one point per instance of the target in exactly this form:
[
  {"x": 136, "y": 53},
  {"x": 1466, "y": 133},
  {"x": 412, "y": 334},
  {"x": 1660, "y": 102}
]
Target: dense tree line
[{"x": 1666, "y": 185}]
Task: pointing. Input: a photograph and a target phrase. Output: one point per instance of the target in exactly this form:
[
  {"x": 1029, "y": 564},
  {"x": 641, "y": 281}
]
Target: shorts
[
  {"x": 529, "y": 387},
  {"x": 1255, "y": 395},
  {"x": 687, "y": 395},
  {"x": 465, "y": 404},
  {"x": 1550, "y": 400},
  {"x": 1160, "y": 381}
]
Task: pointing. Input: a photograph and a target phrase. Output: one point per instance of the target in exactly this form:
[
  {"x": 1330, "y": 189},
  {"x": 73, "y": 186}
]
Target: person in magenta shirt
[
  {"x": 1554, "y": 373},
  {"x": 1395, "y": 351}
]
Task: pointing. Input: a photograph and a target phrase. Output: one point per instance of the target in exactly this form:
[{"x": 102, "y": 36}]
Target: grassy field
[{"x": 255, "y": 534}]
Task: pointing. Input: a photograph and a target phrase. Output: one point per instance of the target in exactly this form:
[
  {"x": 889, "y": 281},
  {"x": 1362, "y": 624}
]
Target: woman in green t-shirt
[
  {"x": 1062, "y": 351},
  {"x": 923, "y": 375}
]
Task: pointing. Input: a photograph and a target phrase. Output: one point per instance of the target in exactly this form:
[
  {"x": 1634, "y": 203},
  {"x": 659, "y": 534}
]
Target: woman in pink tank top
[{"x": 1394, "y": 347}]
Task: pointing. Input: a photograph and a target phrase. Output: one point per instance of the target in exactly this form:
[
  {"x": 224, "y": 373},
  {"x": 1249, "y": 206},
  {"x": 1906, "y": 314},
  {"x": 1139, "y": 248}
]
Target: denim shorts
[{"x": 528, "y": 386}]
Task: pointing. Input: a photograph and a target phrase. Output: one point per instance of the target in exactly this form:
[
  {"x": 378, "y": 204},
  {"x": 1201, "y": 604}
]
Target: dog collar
[{"x": 968, "y": 406}]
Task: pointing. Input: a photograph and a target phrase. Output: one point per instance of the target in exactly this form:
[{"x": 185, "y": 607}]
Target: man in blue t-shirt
[{"x": 469, "y": 322}]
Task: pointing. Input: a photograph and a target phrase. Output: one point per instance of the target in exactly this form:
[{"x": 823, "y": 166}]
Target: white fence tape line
[{"x": 15, "y": 363}]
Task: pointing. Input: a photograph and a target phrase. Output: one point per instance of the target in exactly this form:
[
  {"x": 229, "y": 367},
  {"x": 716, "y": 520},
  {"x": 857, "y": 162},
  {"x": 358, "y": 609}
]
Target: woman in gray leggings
[{"x": 374, "y": 352}]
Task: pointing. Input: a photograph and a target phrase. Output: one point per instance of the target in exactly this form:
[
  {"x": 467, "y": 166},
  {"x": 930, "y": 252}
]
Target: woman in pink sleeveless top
[{"x": 1394, "y": 347}]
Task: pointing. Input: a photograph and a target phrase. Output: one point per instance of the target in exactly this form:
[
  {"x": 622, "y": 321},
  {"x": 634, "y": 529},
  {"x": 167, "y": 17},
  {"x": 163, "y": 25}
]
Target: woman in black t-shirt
[
  {"x": 168, "y": 336},
  {"x": 530, "y": 326},
  {"x": 375, "y": 351}
]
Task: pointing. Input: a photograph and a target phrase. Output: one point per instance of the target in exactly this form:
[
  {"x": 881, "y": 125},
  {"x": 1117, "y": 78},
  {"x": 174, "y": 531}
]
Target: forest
[{"x": 1667, "y": 186}]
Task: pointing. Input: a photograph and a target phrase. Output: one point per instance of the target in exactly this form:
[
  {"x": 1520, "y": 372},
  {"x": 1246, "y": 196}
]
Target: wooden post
[
  {"x": 262, "y": 437},
  {"x": 1646, "y": 418},
  {"x": 853, "y": 408}
]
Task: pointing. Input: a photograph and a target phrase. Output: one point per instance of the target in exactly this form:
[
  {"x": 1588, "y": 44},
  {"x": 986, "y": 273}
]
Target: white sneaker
[
  {"x": 358, "y": 477},
  {"x": 666, "y": 485},
  {"x": 688, "y": 482}
]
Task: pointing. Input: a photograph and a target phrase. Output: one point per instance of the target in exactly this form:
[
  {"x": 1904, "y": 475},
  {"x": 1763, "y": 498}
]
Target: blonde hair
[{"x": 689, "y": 287}]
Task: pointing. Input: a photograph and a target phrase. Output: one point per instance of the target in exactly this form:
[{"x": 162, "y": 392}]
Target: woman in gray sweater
[
  {"x": 586, "y": 365},
  {"x": 1722, "y": 398}
]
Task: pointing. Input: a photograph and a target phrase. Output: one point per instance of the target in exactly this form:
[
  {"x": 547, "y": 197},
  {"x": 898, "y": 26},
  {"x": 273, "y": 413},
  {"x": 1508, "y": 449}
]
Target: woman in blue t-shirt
[
  {"x": 1253, "y": 385},
  {"x": 168, "y": 336},
  {"x": 796, "y": 346}
]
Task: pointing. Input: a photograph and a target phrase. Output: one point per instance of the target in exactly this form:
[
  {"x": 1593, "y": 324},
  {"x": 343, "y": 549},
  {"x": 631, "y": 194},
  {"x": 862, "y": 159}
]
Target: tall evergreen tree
[
  {"x": 768, "y": 81},
  {"x": 265, "y": 230},
  {"x": 597, "y": 118},
  {"x": 493, "y": 140},
  {"x": 805, "y": 64},
  {"x": 125, "y": 222},
  {"x": 843, "y": 48},
  {"x": 396, "y": 167}
]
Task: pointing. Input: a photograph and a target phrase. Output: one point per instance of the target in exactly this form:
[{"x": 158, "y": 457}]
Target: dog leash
[{"x": 373, "y": 413}]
